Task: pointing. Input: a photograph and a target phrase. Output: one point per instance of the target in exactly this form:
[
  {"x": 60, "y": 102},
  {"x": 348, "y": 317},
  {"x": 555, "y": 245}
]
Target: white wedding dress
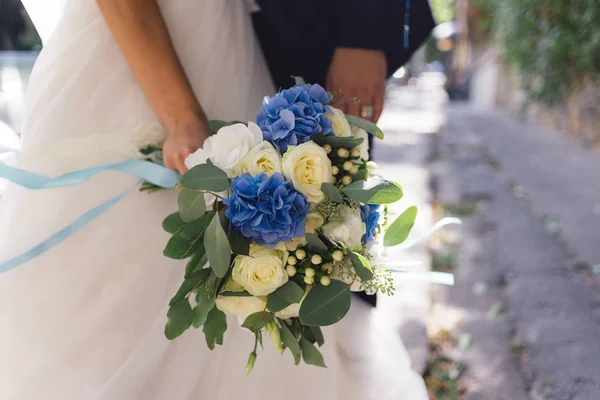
[{"x": 85, "y": 320}]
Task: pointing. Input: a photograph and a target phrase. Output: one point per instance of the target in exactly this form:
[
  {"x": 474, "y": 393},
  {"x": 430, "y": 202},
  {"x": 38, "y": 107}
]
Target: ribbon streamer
[{"x": 147, "y": 171}]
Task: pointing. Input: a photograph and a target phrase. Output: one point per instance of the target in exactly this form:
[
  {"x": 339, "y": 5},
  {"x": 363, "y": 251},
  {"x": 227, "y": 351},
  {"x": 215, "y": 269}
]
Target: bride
[{"x": 85, "y": 319}]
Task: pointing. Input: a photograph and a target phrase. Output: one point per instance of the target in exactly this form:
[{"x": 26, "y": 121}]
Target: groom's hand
[{"x": 357, "y": 76}]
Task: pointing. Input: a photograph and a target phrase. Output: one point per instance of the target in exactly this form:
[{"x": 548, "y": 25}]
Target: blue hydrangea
[
  {"x": 370, "y": 216},
  {"x": 294, "y": 115},
  {"x": 266, "y": 209}
]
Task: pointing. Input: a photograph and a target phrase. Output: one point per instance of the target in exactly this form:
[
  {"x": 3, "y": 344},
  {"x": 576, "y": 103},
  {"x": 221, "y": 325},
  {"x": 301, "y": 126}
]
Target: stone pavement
[{"x": 526, "y": 294}]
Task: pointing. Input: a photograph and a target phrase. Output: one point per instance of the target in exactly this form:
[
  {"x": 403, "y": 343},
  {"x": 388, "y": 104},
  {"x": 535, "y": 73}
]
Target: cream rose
[
  {"x": 308, "y": 167},
  {"x": 348, "y": 231},
  {"x": 339, "y": 123},
  {"x": 227, "y": 147},
  {"x": 262, "y": 158},
  {"x": 314, "y": 220},
  {"x": 364, "y": 146},
  {"x": 262, "y": 272},
  {"x": 241, "y": 306}
]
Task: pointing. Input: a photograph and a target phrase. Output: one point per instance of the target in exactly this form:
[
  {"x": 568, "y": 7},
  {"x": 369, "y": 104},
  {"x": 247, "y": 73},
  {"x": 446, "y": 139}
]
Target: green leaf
[
  {"x": 205, "y": 304},
  {"x": 235, "y": 294},
  {"x": 310, "y": 354},
  {"x": 180, "y": 319},
  {"x": 239, "y": 244},
  {"x": 178, "y": 248},
  {"x": 315, "y": 243},
  {"x": 332, "y": 193},
  {"x": 206, "y": 177},
  {"x": 325, "y": 305},
  {"x": 191, "y": 205},
  {"x": 363, "y": 175},
  {"x": 366, "y": 125},
  {"x": 290, "y": 292},
  {"x": 173, "y": 223},
  {"x": 217, "y": 248},
  {"x": 214, "y": 327},
  {"x": 195, "y": 229},
  {"x": 299, "y": 80},
  {"x": 290, "y": 341},
  {"x": 361, "y": 266},
  {"x": 188, "y": 284},
  {"x": 317, "y": 334},
  {"x": 335, "y": 141},
  {"x": 257, "y": 321},
  {"x": 374, "y": 191},
  {"x": 399, "y": 230},
  {"x": 197, "y": 261},
  {"x": 276, "y": 303}
]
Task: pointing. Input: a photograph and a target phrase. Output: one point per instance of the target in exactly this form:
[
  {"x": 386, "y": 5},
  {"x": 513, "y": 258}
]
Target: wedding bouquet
[{"x": 279, "y": 220}]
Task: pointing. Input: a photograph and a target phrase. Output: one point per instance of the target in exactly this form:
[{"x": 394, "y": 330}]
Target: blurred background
[{"x": 495, "y": 120}]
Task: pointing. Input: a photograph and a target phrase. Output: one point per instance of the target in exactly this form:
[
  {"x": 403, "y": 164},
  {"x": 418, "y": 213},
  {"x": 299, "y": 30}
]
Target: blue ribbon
[{"x": 150, "y": 172}]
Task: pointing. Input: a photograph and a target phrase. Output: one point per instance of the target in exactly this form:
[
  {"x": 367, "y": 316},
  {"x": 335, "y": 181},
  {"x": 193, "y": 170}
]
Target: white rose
[
  {"x": 227, "y": 147},
  {"x": 339, "y": 123},
  {"x": 262, "y": 272},
  {"x": 348, "y": 231},
  {"x": 308, "y": 167},
  {"x": 262, "y": 158},
  {"x": 241, "y": 306},
  {"x": 364, "y": 146}
]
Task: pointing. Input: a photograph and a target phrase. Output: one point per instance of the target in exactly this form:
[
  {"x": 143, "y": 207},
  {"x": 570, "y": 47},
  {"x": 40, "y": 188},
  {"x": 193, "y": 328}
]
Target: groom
[{"x": 348, "y": 46}]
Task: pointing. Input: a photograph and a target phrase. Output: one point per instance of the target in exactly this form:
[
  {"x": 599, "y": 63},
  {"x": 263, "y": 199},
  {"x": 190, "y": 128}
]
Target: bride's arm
[{"x": 141, "y": 33}]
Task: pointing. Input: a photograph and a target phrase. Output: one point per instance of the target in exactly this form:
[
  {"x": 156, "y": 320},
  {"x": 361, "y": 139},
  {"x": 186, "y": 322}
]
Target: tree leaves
[
  {"x": 374, "y": 191},
  {"x": 200, "y": 313},
  {"x": 399, "y": 230},
  {"x": 310, "y": 354},
  {"x": 195, "y": 229},
  {"x": 191, "y": 205},
  {"x": 173, "y": 223},
  {"x": 325, "y": 305},
  {"x": 290, "y": 341},
  {"x": 217, "y": 248},
  {"x": 255, "y": 322},
  {"x": 214, "y": 327},
  {"x": 332, "y": 193},
  {"x": 206, "y": 177},
  {"x": 179, "y": 319},
  {"x": 178, "y": 248},
  {"x": 366, "y": 125},
  {"x": 361, "y": 266}
]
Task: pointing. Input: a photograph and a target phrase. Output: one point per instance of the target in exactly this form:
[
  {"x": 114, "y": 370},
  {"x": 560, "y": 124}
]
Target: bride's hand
[{"x": 182, "y": 141}]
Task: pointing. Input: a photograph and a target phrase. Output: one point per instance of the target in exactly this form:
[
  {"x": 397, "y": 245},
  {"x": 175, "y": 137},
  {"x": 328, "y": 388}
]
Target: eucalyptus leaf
[
  {"x": 173, "y": 223},
  {"x": 361, "y": 266},
  {"x": 290, "y": 341},
  {"x": 310, "y": 354},
  {"x": 290, "y": 292},
  {"x": 399, "y": 230},
  {"x": 214, "y": 327},
  {"x": 315, "y": 243},
  {"x": 204, "y": 305},
  {"x": 188, "y": 284},
  {"x": 206, "y": 177},
  {"x": 366, "y": 125},
  {"x": 363, "y": 175},
  {"x": 347, "y": 142},
  {"x": 195, "y": 229},
  {"x": 374, "y": 191},
  {"x": 325, "y": 305},
  {"x": 257, "y": 321},
  {"x": 191, "y": 205},
  {"x": 179, "y": 319},
  {"x": 332, "y": 193},
  {"x": 217, "y": 248},
  {"x": 317, "y": 334},
  {"x": 197, "y": 262},
  {"x": 178, "y": 248},
  {"x": 235, "y": 294},
  {"x": 276, "y": 303}
]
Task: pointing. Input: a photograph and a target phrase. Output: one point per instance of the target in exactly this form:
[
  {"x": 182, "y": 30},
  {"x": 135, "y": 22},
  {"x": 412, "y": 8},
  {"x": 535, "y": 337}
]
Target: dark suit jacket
[{"x": 298, "y": 37}]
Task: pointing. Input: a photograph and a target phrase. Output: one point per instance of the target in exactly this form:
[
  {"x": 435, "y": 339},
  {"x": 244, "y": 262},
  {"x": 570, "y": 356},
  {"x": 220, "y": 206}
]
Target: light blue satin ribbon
[{"x": 147, "y": 171}]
